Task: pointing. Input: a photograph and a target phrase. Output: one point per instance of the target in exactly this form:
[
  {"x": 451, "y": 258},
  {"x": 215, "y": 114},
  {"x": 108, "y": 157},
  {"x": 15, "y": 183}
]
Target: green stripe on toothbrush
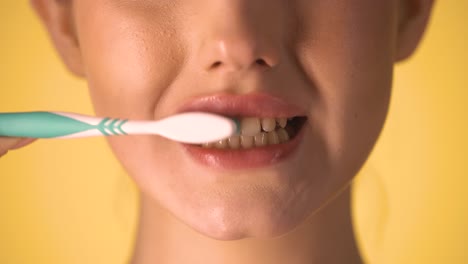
[
  {"x": 112, "y": 126},
  {"x": 101, "y": 127},
  {"x": 119, "y": 127}
]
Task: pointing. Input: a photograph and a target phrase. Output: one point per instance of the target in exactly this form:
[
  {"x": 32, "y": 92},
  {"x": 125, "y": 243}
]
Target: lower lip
[{"x": 244, "y": 158}]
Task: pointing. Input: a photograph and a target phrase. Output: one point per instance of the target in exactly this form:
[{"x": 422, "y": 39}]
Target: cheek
[
  {"x": 130, "y": 60},
  {"x": 349, "y": 58},
  {"x": 142, "y": 158}
]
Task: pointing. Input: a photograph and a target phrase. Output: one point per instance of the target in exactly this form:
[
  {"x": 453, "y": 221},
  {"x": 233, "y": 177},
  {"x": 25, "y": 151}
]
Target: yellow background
[{"x": 68, "y": 201}]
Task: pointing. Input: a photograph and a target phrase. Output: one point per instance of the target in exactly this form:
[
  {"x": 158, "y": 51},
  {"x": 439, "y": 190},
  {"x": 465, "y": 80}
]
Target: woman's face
[{"x": 327, "y": 60}]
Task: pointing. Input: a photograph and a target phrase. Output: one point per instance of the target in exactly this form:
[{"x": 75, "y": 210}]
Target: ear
[
  {"x": 57, "y": 16},
  {"x": 413, "y": 19}
]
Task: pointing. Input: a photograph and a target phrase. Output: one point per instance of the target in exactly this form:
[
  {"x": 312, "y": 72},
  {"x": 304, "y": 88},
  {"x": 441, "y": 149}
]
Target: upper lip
[{"x": 246, "y": 105}]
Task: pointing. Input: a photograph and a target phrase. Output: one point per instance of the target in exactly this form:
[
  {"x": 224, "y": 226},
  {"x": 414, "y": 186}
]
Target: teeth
[
  {"x": 250, "y": 126},
  {"x": 268, "y": 124},
  {"x": 273, "y": 138},
  {"x": 255, "y": 132},
  {"x": 222, "y": 144},
  {"x": 208, "y": 145},
  {"x": 282, "y": 122},
  {"x": 261, "y": 139},
  {"x": 282, "y": 135},
  {"x": 246, "y": 141},
  {"x": 234, "y": 142}
]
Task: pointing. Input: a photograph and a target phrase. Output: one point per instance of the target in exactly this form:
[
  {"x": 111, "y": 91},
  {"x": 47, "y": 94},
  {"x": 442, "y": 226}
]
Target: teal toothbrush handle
[{"x": 57, "y": 125}]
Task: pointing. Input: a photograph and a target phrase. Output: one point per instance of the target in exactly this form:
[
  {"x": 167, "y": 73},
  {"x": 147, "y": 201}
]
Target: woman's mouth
[
  {"x": 270, "y": 131},
  {"x": 260, "y": 132}
]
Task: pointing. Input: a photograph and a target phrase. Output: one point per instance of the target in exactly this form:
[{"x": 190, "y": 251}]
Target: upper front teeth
[
  {"x": 268, "y": 124},
  {"x": 282, "y": 122},
  {"x": 251, "y": 126}
]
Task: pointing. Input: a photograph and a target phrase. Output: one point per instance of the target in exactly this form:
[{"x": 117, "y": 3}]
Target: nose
[{"x": 241, "y": 35}]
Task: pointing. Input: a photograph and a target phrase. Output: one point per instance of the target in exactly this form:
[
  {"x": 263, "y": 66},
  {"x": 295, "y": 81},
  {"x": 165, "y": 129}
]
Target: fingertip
[{"x": 23, "y": 142}]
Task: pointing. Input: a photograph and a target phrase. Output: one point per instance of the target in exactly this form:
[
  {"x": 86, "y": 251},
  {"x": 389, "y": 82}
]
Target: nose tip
[
  {"x": 228, "y": 56},
  {"x": 241, "y": 35}
]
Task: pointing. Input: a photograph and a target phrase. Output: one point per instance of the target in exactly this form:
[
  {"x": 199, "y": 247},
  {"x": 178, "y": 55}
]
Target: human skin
[
  {"x": 332, "y": 59},
  {"x": 12, "y": 143}
]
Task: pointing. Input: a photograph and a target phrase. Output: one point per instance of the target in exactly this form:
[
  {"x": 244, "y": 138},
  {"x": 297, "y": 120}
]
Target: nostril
[
  {"x": 216, "y": 64},
  {"x": 261, "y": 62}
]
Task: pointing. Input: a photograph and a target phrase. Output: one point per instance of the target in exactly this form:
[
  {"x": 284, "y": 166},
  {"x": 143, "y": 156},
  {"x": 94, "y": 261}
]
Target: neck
[{"x": 326, "y": 237}]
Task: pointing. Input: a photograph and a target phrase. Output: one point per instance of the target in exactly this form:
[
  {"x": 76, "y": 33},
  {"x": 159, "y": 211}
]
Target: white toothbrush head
[{"x": 197, "y": 127}]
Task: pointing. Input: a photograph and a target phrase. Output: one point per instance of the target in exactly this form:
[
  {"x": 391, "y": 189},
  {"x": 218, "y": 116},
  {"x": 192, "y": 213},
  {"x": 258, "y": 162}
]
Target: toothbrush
[{"x": 190, "y": 127}]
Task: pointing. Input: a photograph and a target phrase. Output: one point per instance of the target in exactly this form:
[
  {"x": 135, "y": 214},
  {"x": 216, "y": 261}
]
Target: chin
[
  {"x": 258, "y": 221},
  {"x": 232, "y": 231}
]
